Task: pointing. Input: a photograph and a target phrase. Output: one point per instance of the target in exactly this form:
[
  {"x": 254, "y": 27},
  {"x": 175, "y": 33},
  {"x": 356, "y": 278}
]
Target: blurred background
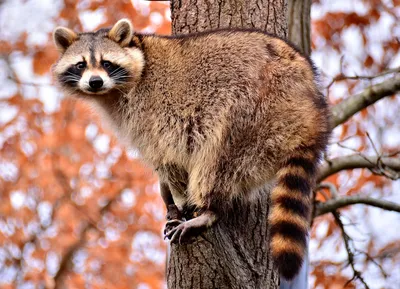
[{"x": 78, "y": 208}]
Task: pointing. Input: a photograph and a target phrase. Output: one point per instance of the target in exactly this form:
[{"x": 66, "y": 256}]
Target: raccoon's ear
[
  {"x": 63, "y": 38},
  {"x": 121, "y": 32}
]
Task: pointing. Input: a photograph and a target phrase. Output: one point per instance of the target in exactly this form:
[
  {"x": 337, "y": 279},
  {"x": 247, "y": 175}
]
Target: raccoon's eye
[
  {"x": 106, "y": 64},
  {"x": 80, "y": 65}
]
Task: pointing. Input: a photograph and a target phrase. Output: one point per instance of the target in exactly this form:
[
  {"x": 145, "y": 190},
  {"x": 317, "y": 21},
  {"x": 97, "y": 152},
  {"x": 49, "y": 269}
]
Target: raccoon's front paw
[
  {"x": 185, "y": 231},
  {"x": 179, "y": 231}
]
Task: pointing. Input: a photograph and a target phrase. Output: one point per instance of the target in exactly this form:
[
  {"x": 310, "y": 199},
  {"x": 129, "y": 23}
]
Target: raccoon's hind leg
[
  {"x": 173, "y": 213},
  {"x": 172, "y": 210},
  {"x": 173, "y": 187}
]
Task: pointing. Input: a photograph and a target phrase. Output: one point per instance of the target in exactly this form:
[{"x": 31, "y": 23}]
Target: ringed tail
[{"x": 291, "y": 210}]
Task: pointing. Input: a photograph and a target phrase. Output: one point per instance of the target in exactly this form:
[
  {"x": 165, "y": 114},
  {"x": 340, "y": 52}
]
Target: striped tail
[{"x": 290, "y": 214}]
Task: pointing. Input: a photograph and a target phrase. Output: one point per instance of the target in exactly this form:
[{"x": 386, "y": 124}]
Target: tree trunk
[
  {"x": 235, "y": 252},
  {"x": 299, "y": 24},
  {"x": 193, "y": 16}
]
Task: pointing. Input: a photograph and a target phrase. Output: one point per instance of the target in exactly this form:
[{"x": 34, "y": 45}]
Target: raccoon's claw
[
  {"x": 184, "y": 230},
  {"x": 170, "y": 225},
  {"x": 179, "y": 233}
]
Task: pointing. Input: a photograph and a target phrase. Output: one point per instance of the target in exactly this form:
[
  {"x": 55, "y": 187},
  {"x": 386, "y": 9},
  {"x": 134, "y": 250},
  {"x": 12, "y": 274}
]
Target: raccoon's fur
[{"x": 219, "y": 114}]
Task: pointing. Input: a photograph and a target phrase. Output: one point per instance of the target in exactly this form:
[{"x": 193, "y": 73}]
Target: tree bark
[
  {"x": 190, "y": 16},
  {"x": 235, "y": 252},
  {"x": 299, "y": 24}
]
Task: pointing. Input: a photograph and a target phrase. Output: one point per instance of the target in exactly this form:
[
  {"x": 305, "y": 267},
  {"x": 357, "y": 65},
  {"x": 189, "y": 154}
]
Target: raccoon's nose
[{"x": 96, "y": 82}]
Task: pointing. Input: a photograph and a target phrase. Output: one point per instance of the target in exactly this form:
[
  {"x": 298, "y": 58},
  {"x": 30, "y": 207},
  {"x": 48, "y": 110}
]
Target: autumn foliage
[
  {"x": 79, "y": 210},
  {"x": 76, "y": 208}
]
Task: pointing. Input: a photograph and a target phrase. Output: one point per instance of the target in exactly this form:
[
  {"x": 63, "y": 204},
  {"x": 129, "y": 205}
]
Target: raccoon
[{"x": 218, "y": 114}]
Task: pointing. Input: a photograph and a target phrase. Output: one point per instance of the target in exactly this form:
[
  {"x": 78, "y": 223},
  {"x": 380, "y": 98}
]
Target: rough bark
[
  {"x": 234, "y": 253},
  {"x": 192, "y": 15}
]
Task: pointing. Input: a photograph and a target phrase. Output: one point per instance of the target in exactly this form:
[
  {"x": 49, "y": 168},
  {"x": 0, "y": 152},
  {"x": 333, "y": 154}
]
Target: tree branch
[
  {"x": 330, "y": 167},
  {"x": 353, "y": 104},
  {"x": 334, "y": 204},
  {"x": 58, "y": 281},
  {"x": 36, "y": 84},
  {"x": 346, "y": 238},
  {"x": 299, "y": 24},
  {"x": 341, "y": 76}
]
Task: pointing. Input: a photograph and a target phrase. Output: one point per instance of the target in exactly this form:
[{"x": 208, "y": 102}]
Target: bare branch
[
  {"x": 330, "y": 167},
  {"x": 337, "y": 202},
  {"x": 28, "y": 83},
  {"x": 334, "y": 204},
  {"x": 350, "y": 254},
  {"x": 341, "y": 76},
  {"x": 371, "y": 259},
  {"x": 68, "y": 256},
  {"x": 353, "y": 104},
  {"x": 373, "y": 144},
  {"x": 388, "y": 252},
  {"x": 346, "y": 238},
  {"x": 299, "y": 24},
  {"x": 332, "y": 189}
]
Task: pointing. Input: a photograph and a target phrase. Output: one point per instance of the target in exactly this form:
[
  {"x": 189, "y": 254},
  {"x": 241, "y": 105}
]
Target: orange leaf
[
  {"x": 43, "y": 59},
  {"x": 369, "y": 61}
]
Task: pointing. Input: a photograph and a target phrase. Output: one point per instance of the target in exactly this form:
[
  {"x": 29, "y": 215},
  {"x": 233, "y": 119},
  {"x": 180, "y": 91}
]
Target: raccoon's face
[{"x": 97, "y": 63}]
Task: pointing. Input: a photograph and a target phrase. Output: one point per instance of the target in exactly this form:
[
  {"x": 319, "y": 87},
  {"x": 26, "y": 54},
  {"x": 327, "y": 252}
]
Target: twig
[
  {"x": 373, "y": 144},
  {"x": 331, "y": 187},
  {"x": 67, "y": 257},
  {"x": 342, "y": 140},
  {"x": 28, "y": 83},
  {"x": 346, "y": 238},
  {"x": 392, "y": 154},
  {"x": 341, "y": 76},
  {"x": 369, "y": 258},
  {"x": 388, "y": 253},
  {"x": 381, "y": 168}
]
